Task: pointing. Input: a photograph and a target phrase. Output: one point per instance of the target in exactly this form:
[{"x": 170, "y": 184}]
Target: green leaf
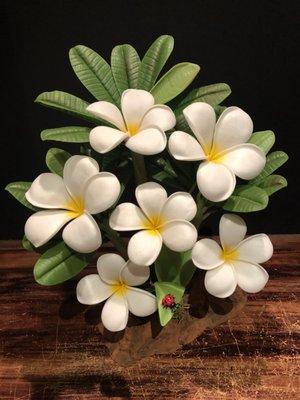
[
  {"x": 18, "y": 190},
  {"x": 264, "y": 140},
  {"x": 56, "y": 159},
  {"x": 67, "y": 103},
  {"x": 200, "y": 201},
  {"x": 175, "y": 81},
  {"x": 67, "y": 134},
  {"x": 154, "y": 61},
  {"x": 59, "y": 264},
  {"x": 94, "y": 73},
  {"x": 27, "y": 245},
  {"x": 274, "y": 161},
  {"x": 247, "y": 199},
  {"x": 125, "y": 64},
  {"x": 211, "y": 94},
  {"x": 161, "y": 290},
  {"x": 171, "y": 266},
  {"x": 218, "y": 110},
  {"x": 273, "y": 183}
]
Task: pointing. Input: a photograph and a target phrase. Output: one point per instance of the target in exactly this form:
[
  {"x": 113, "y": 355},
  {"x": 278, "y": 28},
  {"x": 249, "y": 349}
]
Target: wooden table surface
[{"x": 50, "y": 350}]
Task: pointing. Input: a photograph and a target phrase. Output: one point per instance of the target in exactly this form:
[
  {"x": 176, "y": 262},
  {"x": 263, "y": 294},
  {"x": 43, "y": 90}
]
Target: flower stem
[
  {"x": 139, "y": 168},
  {"x": 114, "y": 237}
]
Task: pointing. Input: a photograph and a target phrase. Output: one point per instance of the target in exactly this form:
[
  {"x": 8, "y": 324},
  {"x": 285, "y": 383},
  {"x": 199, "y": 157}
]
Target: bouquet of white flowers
[{"x": 156, "y": 171}]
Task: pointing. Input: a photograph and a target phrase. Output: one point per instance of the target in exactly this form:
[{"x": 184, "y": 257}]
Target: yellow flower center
[
  {"x": 75, "y": 207},
  {"x": 229, "y": 255},
  {"x": 214, "y": 154},
  {"x": 132, "y": 129},
  {"x": 119, "y": 288},
  {"x": 154, "y": 224}
]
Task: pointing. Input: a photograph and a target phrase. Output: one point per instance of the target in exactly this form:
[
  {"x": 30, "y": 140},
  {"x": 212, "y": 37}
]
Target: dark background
[{"x": 251, "y": 45}]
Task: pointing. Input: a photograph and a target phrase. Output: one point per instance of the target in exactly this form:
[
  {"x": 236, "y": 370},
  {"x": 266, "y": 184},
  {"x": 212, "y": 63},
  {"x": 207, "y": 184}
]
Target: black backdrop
[{"x": 251, "y": 45}]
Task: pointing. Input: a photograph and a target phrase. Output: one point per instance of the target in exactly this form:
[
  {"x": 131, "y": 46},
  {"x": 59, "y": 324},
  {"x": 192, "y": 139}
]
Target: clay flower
[
  {"x": 114, "y": 283},
  {"x": 237, "y": 262},
  {"x": 223, "y": 147},
  {"x": 141, "y": 124},
  {"x": 81, "y": 192},
  {"x": 160, "y": 219}
]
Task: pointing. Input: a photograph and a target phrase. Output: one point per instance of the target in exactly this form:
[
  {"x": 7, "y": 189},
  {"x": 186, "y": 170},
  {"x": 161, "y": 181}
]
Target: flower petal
[
  {"x": 135, "y": 103},
  {"x": 103, "y": 138},
  {"x": 144, "y": 247},
  {"x": 180, "y": 205},
  {"x": 147, "y": 142},
  {"x": 127, "y": 217},
  {"x": 221, "y": 281},
  {"x": 43, "y": 225},
  {"x": 256, "y": 249},
  {"x": 234, "y": 127},
  {"x": 140, "y": 302},
  {"x": 77, "y": 171},
  {"x": 250, "y": 277},
  {"x": 109, "y": 267},
  {"x": 160, "y": 116},
  {"x": 48, "y": 191},
  {"x": 115, "y": 313},
  {"x": 206, "y": 254},
  {"x": 133, "y": 274},
  {"x": 185, "y": 147},
  {"x": 109, "y": 112},
  {"x": 215, "y": 181},
  {"x": 82, "y": 234},
  {"x": 92, "y": 290},
  {"x": 232, "y": 230},
  {"x": 179, "y": 235},
  {"x": 201, "y": 118},
  {"x": 151, "y": 197},
  {"x": 101, "y": 192},
  {"x": 245, "y": 160}
]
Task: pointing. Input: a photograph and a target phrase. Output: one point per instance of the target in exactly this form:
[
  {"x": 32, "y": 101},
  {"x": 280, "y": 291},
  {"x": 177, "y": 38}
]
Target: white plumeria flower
[
  {"x": 160, "y": 218},
  {"x": 237, "y": 262},
  {"x": 141, "y": 124},
  {"x": 115, "y": 284},
  {"x": 223, "y": 147},
  {"x": 81, "y": 192}
]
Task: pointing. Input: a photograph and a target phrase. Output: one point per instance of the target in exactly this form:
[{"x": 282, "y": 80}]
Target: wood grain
[{"x": 51, "y": 347}]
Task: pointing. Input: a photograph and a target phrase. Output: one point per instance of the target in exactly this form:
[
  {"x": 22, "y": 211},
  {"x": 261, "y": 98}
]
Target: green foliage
[
  {"x": 161, "y": 290},
  {"x": 175, "y": 81},
  {"x": 59, "y": 264},
  {"x": 264, "y": 140},
  {"x": 174, "y": 271},
  {"x": 67, "y": 103},
  {"x": 272, "y": 184},
  {"x": 94, "y": 73},
  {"x": 163, "y": 172},
  {"x": 56, "y": 159},
  {"x": 125, "y": 64},
  {"x": 218, "y": 110},
  {"x": 18, "y": 190},
  {"x": 27, "y": 245},
  {"x": 211, "y": 94},
  {"x": 274, "y": 161},
  {"x": 67, "y": 134},
  {"x": 247, "y": 199},
  {"x": 175, "y": 267},
  {"x": 154, "y": 61},
  {"x": 200, "y": 201}
]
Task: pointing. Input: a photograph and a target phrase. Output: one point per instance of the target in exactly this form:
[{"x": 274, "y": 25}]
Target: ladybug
[{"x": 169, "y": 301}]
